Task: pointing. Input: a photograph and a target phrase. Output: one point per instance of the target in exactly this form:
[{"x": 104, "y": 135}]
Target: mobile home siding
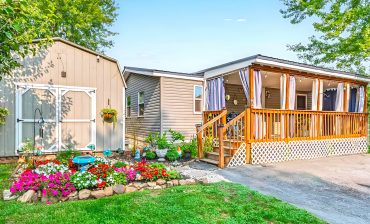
[
  {"x": 177, "y": 105},
  {"x": 83, "y": 70},
  {"x": 150, "y": 122}
]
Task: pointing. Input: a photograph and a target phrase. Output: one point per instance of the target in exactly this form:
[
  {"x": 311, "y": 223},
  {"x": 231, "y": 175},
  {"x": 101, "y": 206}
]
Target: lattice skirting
[
  {"x": 272, "y": 152},
  {"x": 239, "y": 157}
]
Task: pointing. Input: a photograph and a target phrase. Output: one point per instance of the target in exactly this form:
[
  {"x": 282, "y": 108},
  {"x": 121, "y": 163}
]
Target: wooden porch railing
[
  {"x": 209, "y": 129},
  {"x": 288, "y": 125},
  {"x": 266, "y": 125}
]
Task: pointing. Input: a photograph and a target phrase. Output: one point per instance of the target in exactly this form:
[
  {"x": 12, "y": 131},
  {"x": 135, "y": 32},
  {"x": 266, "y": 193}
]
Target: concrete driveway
[{"x": 335, "y": 189}]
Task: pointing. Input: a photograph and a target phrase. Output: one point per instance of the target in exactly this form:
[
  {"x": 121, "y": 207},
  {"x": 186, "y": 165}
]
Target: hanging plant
[
  {"x": 4, "y": 112},
  {"x": 109, "y": 115}
]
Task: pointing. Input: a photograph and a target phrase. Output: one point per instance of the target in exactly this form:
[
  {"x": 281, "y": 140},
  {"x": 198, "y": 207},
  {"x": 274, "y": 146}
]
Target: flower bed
[{"x": 53, "y": 181}]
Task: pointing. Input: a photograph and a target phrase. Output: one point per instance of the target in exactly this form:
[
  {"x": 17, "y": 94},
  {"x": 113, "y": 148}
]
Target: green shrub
[
  {"x": 117, "y": 178},
  {"x": 66, "y": 155},
  {"x": 172, "y": 155},
  {"x": 120, "y": 164},
  {"x": 152, "y": 138},
  {"x": 158, "y": 165},
  {"x": 207, "y": 145},
  {"x": 173, "y": 174},
  {"x": 190, "y": 146},
  {"x": 151, "y": 155},
  {"x": 176, "y": 136},
  {"x": 162, "y": 141}
]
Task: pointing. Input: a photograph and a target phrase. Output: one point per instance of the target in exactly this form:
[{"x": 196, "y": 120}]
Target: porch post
[
  {"x": 251, "y": 99},
  {"x": 199, "y": 141}
]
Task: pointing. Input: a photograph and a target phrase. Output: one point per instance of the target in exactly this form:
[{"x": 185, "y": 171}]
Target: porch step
[
  {"x": 211, "y": 161},
  {"x": 215, "y": 156}
]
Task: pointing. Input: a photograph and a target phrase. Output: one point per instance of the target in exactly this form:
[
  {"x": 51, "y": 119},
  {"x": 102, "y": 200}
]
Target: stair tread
[
  {"x": 215, "y": 162},
  {"x": 216, "y": 153},
  {"x": 226, "y": 147}
]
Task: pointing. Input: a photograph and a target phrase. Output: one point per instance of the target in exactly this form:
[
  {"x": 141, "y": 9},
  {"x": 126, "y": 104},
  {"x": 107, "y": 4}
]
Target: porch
[{"x": 272, "y": 114}]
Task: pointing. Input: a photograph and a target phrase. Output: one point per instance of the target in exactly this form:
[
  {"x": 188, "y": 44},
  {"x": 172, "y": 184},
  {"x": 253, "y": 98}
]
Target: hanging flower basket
[{"x": 109, "y": 115}]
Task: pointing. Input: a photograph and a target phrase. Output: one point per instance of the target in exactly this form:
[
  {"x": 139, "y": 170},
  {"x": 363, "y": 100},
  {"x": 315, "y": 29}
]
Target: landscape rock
[
  {"x": 73, "y": 196},
  {"x": 53, "y": 200},
  {"x": 98, "y": 194},
  {"x": 161, "y": 182},
  {"x": 28, "y": 196},
  {"x": 130, "y": 189},
  {"x": 7, "y": 195},
  {"x": 182, "y": 182},
  {"x": 44, "y": 199},
  {"x": 175, "y": 182},
  {"x": 84, "y": 194},
  {"x": 157, "y": 187},
  {"x": 108, "y": 191},
  {"x": 169, "y": 183},
  {"x": 190, "y": 181},
  {"x": 152, "y": 184},
  {"x": 119, "y": 189},
  {"x": 204, "y": 180}
]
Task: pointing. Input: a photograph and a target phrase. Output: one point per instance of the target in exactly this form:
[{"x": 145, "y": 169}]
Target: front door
[{"x": 68, "y": 114}]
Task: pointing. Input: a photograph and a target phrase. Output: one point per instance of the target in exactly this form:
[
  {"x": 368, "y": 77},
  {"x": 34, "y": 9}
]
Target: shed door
[
  {"x": 69, "y": 115},
  {"x": 30, "y": 101},
  {"x": 77, "y": 117}
]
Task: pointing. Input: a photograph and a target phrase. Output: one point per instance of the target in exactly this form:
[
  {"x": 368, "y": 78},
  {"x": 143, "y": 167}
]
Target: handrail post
[
  {"x": 248, "y": 136},
  {"x": 223, "y": 120},
  {"x": 199, "y": 141},
  {"x": 221, "y": 161}
]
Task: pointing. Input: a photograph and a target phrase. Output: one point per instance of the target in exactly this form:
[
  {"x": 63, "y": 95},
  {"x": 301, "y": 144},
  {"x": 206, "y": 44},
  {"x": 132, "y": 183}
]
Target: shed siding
[
  {"x": 178, "y": 106},
  {"x": 83, "y": 70},
  {"x": 141, "y": 126}
]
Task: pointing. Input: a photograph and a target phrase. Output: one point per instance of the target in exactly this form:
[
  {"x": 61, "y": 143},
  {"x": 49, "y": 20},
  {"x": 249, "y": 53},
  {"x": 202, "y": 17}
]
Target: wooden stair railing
[
  {"x": 234, "y": 133},
  {"x": 209, "y": 129}
]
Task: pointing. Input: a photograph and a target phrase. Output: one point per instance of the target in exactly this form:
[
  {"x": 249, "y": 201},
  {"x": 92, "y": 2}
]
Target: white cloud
[{"x": 241, "y": 20}]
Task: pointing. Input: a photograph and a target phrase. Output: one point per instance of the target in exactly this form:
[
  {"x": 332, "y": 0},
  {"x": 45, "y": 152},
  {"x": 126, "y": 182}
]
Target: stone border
[{"x": 32, "y": 196}]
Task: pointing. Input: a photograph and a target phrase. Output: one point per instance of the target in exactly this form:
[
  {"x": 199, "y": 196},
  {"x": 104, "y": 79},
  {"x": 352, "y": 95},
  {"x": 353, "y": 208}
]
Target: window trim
[
  {"x": 127, "y": 107},
  {"x": 201, "y": 100},
  {"x": 138, "y": 103}
]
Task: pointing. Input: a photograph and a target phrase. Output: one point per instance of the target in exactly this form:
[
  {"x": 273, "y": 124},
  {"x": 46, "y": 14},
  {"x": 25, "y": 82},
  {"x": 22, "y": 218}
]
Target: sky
[{"x": 192, "y": 35}]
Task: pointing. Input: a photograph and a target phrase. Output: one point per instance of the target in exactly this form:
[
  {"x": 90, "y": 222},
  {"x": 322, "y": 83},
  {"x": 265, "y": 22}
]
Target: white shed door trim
[{"x": 58, "y": 92}]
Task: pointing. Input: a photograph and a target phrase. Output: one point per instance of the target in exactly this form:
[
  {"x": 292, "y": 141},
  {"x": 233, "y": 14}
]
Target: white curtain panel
[
  {"x": 347, "y": 96},
  {"x": 216, "y": 94},
  {"x": 244, "y": 78},
  {"x": 315, "y": 94},
  {"x": 282, "y": 103},
  {"x": 292, "y": 93},
  {"x": 257, "y": 103},
  {"x": 361, "y": 101},
  {"x": 321, "y": 95},
  {"x": 339, "y": 99},
  {"x": 292, "y": 96}
]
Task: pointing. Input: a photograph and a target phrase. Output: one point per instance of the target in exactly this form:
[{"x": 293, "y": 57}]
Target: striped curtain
[
  {"x": 244, "y": 77},
  {"x": 216, "y": 94}
]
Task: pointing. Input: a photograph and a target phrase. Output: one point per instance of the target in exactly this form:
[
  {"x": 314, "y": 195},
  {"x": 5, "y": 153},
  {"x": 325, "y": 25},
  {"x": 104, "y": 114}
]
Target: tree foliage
[
  {"x": 85, "y": 22},
  {"x": 344, "y": 32}
]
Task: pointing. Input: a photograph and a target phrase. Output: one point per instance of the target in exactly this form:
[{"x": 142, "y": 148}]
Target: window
[
  {"x": 128, "y": 106},
  {"x": 301, "y": 102},
  {"x": 198, "y": 96},
  {"x": 140, "y": 104}
]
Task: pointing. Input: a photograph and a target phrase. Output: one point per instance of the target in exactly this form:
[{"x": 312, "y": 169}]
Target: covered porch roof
[{"x": 280, "y": 63}]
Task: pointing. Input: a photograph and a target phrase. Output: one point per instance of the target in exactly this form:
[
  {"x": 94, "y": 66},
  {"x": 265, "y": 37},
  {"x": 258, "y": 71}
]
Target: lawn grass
[{"x": 214, "y": 203}]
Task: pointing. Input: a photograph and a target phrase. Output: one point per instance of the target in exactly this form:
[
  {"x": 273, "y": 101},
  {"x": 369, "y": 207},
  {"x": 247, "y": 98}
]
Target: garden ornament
[
  {"x": 107, "y": 152},
  {"x": 137, "y": 155}
]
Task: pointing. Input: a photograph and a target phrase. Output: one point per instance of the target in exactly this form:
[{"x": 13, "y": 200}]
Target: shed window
[
  {"x": 141, "y": 104},
  {"x": 198, "y": 96},
  {"x": 128, "y": 106}
]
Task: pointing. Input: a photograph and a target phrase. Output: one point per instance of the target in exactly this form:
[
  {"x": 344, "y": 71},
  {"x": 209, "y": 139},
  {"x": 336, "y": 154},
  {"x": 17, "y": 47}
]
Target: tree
[
  {"x": 85, "y": 22},
  {"x": 20, "y": 23},
  {"x": 344, "y": 28}
]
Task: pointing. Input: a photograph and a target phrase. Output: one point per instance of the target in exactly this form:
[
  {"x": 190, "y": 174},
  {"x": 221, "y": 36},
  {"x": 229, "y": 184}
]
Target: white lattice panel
[
  {"x": 239, "y": 157},
  {"x": 272, "y": 152}
]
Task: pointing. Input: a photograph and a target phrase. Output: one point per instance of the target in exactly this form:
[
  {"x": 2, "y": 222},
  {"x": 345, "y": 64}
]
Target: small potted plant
[
  {"x": 162, "y": 146},
  {"x": 109, "y": 115},
  {"x": 4, "y": 112}
]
